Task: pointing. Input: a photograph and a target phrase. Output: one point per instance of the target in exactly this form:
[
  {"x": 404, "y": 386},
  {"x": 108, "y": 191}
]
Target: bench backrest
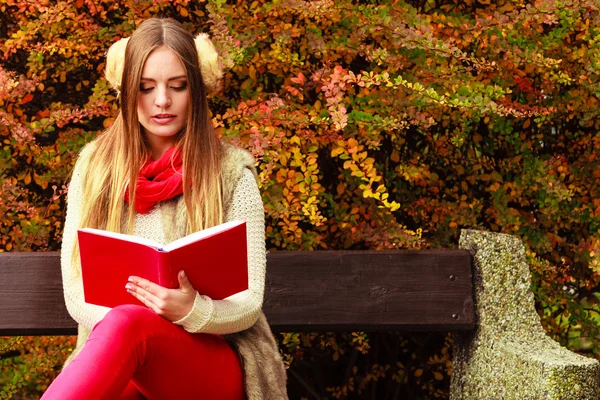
[{"x": 305, "y": 291}]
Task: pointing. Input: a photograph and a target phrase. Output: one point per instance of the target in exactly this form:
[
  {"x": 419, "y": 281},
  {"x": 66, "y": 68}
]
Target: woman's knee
[{"x": 128, "y": 319}]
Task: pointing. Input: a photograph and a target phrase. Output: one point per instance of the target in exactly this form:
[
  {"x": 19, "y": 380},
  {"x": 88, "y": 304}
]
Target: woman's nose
[{"x": 162, "y": 98}]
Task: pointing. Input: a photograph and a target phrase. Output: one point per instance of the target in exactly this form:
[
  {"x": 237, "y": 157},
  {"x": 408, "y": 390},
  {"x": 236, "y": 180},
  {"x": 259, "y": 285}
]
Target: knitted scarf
[{"x": 158, "y": 181}]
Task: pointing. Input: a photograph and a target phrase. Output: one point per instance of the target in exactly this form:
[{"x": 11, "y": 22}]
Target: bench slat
[
  {"x": 370, "y": 290},
  {"x": 305, "y": 291}
]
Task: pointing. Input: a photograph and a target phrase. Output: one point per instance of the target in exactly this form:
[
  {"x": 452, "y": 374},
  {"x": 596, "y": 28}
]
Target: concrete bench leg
[{"x": 509, "y": 355}]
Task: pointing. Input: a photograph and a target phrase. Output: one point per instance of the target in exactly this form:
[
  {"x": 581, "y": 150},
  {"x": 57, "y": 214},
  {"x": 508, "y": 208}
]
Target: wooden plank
[
  {"x": 31, "y": 295},
  {"x": 305, "y": 291},
  {"x": 370, "y": 290}
]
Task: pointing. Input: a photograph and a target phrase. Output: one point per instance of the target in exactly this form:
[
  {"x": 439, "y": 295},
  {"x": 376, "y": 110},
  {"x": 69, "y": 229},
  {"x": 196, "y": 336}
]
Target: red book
[{"x": 215, "y": 261}]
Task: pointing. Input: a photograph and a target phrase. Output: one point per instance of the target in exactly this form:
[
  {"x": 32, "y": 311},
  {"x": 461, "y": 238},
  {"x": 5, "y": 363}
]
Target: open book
[{"x": 215, "y": 261}]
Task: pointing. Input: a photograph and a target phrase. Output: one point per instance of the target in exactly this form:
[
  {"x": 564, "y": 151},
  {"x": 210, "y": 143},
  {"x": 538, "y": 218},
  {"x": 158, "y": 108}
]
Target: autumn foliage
[{"x": 376, "y": 125}]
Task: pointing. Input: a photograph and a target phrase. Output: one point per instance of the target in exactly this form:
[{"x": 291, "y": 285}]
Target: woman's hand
[{"x": 171, "y": 304}]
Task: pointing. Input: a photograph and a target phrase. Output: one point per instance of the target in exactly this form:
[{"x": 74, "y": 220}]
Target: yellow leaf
[
  {"x": 337, "y": 151},
  {"x": 341, "y": 188},
  {"x": 63, "y": 77},
  {"x": 395, "y": 156},
  {"x": 419, "y": 372},
  {"x": 184, "y": 12},
  {"x": 438, "y": 376}
]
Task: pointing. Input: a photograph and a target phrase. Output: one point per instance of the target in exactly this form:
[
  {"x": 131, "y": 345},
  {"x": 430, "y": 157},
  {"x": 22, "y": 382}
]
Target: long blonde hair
[{"x": 121, "y": 149}]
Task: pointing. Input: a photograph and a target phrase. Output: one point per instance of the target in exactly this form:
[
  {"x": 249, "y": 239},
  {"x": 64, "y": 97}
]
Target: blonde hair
[{"x": 121, "y": 149}]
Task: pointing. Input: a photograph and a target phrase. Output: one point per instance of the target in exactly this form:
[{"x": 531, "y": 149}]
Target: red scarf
[{"x": 158, "y": 180}]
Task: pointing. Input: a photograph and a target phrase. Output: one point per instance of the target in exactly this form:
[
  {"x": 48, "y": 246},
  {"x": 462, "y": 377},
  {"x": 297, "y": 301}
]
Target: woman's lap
[{"x": 133, "y": 344}]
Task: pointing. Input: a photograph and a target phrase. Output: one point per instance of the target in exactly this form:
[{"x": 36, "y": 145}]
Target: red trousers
[{"x": 135, "y": 354}]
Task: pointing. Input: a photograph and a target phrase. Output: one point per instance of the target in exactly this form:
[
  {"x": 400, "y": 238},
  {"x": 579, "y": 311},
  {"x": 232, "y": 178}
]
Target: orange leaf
[{"x": 28, "y": 97}]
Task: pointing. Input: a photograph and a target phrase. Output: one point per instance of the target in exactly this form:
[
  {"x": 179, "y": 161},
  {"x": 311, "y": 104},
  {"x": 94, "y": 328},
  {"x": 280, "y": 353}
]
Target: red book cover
[{"x": 215, "y": 261}]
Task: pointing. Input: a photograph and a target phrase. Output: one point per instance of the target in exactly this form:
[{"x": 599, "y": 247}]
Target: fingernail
[
  {"x": 128, "y": 287},
  {"x": 130, "y": 279},
  {"x": 182, "y": 274}
]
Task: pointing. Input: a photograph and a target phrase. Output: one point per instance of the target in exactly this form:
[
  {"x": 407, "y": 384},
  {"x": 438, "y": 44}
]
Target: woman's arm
[
  {"x": 240, "y": 311},
  {"x": 85, "y": 314}
]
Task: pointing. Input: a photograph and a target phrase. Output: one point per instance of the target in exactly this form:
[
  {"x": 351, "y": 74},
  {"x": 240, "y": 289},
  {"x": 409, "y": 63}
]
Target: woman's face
[{"x": 162, "y": 104}]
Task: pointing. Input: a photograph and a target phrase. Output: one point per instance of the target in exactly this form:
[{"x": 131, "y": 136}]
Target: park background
[{"x": 376, "y": 125}]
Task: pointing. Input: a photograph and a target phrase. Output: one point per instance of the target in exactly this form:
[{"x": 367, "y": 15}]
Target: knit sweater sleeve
[
  {"x": 83, "y": 313},
  {"x": 239, "y": 311}
]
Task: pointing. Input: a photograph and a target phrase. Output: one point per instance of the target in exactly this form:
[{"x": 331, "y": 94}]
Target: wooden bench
[{"x": 502, "y": 354}]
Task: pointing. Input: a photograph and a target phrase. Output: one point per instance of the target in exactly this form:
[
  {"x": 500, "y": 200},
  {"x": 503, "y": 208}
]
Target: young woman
[{"x": 161, "y": 172}]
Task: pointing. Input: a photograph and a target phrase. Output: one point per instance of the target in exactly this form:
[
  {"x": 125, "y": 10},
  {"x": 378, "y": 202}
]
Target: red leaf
[{"x": 28, "y": 97}]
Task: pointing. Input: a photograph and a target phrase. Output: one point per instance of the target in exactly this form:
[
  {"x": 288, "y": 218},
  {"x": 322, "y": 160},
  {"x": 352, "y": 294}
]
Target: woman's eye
[
  {"x": 179, "y": 88},
  {"x": 145, "y": 88}
]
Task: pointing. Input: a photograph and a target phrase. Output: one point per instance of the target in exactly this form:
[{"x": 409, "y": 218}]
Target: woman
[{"x": 161, "y": 172}]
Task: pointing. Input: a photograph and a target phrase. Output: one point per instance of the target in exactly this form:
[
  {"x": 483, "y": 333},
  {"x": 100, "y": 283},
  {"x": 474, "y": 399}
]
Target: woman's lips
[{"x": 163, "y": 118}]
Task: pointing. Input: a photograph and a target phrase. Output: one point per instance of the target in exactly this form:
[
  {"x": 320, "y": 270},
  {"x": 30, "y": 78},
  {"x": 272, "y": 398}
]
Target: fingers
[
  {"x": 147, "y": 292},
  {"x": 172, "y": 304}
]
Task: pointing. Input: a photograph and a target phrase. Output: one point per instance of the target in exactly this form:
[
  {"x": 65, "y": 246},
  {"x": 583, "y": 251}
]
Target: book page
[
  {"x": 196, "y": 236},
  {"x": 125, "y": 237}
]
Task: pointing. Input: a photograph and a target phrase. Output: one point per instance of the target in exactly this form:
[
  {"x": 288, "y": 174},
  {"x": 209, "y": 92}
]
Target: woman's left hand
[{"x": 171, "y": 304}]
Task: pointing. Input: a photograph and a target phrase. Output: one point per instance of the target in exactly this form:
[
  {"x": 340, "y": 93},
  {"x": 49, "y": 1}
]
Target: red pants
[{"x": 135, "y": 354}]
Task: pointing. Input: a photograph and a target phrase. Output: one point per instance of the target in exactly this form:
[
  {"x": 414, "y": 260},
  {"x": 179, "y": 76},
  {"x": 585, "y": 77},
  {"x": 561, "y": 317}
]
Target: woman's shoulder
[
  {"x": 235, "y": 160},
  {"x": 85, "y": 154},
  {"x": 234, "y": 163},
  {"x": 87, "y": 150}
]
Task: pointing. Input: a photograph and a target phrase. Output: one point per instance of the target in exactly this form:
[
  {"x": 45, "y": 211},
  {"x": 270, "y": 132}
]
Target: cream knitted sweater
[{"x": 233, "y": 314}]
